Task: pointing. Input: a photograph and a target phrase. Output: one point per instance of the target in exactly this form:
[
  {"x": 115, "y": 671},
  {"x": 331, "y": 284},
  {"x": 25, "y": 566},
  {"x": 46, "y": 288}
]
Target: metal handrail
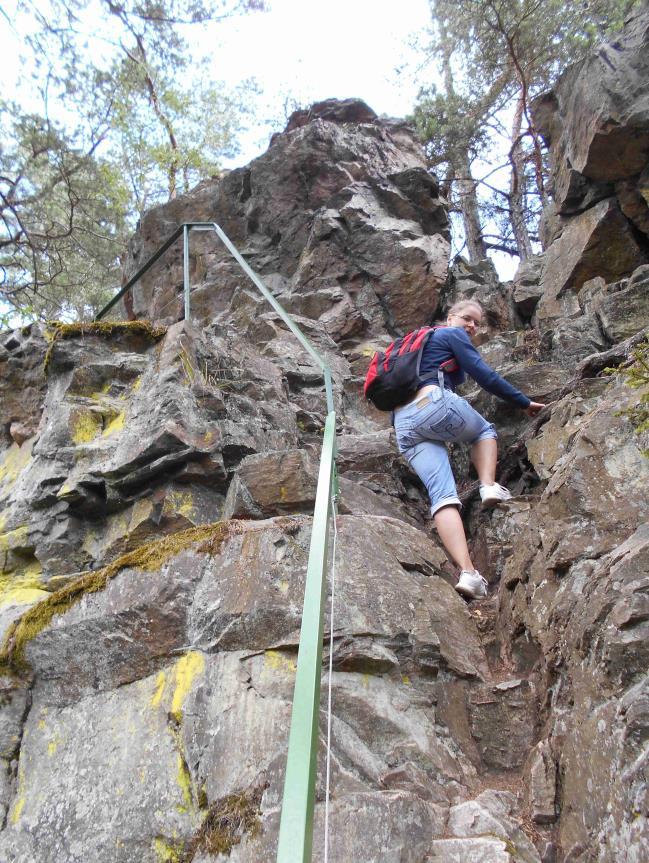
[
  {"x": 136, "y": 278},
  {"x": 296, "y": 825},
  {"x": 184, "y": 230}
]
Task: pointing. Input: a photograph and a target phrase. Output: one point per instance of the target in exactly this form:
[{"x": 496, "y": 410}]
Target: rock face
[
  {"x": 340, "y": 217},
  {"x": 596, "y": 123},
  {"x": 156, "y": 489}
]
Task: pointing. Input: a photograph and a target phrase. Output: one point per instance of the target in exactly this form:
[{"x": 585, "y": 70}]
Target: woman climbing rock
[{"x": 436, "y": 415}]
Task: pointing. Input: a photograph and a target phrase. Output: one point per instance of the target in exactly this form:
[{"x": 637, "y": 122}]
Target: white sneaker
[
  {"x": 490, "y": 495},
  {"x": 472, "y": 584}
]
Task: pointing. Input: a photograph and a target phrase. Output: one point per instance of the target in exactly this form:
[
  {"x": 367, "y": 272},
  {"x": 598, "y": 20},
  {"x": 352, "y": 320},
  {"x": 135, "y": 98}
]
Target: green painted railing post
[
  {"x": 296, "y": 827},
  {"x": 186, "y": 288}
]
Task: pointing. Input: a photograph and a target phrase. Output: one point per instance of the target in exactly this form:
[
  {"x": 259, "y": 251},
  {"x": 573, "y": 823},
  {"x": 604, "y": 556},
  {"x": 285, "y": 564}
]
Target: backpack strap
[{"x": 423, "y": 335}]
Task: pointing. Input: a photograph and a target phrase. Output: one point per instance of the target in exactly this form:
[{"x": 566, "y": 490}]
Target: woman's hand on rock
[{"x": 533, "y": 408}]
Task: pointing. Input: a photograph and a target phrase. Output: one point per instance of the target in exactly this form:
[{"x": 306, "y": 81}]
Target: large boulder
[
  {"x": 155, "y": 497},
  {"x": 596, "y": 243},
  {"x": 596, "y": 118},
  {"x": 22, "y": 383},
  {"x": 595, "y": 122},
  {"x": 573, "y": 607},
  {"x": 340, "y": 217}
]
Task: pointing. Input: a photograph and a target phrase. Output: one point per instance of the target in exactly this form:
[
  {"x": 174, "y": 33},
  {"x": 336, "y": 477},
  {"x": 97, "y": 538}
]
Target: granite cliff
[{"x": 157, "y": 478}]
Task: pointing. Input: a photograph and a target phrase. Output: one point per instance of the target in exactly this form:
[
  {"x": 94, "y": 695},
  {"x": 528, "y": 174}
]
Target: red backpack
[{"x": 393, "y": 376}]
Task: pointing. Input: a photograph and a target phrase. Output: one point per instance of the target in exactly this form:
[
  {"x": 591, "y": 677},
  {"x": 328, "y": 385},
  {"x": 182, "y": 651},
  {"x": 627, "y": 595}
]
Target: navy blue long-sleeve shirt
[{"x": 448, "y": 342}]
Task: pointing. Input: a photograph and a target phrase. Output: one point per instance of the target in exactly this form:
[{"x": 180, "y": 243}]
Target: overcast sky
[
  {"x": 316, "y": 50},
  {"x": 304, "y": 51}
]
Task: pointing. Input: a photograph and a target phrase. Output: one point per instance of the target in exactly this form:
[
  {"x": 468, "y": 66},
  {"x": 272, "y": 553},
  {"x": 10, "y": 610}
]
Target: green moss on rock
[
  {"x": 148, "y": 557},
  {"x": 57, "y": 330}
]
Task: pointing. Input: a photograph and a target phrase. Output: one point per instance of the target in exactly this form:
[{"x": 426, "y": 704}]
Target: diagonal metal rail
[{"x": 296, "y": 827}]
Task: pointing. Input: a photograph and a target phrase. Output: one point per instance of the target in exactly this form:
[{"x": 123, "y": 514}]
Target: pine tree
[
  {"x": 123, "y": 126},
  {"x": 494, "y": 57}
]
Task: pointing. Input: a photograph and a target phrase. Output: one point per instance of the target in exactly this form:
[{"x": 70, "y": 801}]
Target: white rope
[{"x": 331, "y": 659}]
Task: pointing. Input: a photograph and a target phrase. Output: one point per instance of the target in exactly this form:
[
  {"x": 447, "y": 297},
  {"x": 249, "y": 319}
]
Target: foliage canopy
[
  {"x": 123, "y": 117},
  {"x": 492, "y": 58}
]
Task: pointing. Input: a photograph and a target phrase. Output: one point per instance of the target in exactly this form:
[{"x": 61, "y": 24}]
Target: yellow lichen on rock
[
  {"x": 186, "y": 671},
  {"x": 20, "y": 798},
  {"x": 22, "y": 585},
  {"x": 85, "y": 425},
  {"x": 16, "y": 538},
  {"x": 53, "y": 745},
  {"x": 160, "y": 684},
  {"x": 180, "y": 503},
  {"x": 141, "y": 510},
  {"x": 185, "y": 783},
  {"x": 166, "y": 852},
  {"x": 57, "y": 330},
  {"x": 278, "y": 661},
  {"x": 66, "y": 488},
  {"x": 17, "y": 810},
  {"x": 21, "y": 596},
  {"x": 99, "y": 394},
  {"x": 13, "y": 462},
  {"x": 115, "y": 425}
]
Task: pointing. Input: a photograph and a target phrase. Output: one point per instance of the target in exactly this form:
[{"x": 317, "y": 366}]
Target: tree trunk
[
  {"x": 516, "y": 186},
  {"x": 461, "y": 166},
  {"x": 468, "y": 199},
  {"x": 141, "y": 60}
]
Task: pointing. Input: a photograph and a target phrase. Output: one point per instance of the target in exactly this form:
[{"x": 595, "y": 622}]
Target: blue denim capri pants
[{"x": 425, "y": 426}]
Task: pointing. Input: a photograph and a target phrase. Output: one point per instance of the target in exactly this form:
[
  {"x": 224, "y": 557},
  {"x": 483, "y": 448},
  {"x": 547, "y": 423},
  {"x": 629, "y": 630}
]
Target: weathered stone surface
[
  {"x": 226, "y": 612},
  {"x": 558, "y": 433},
  {"x": 596, "y": 120},
  {"x": 633, "y": 196},
  {"x": 334, "y": 110},
  {"x": 503, "y": 722},
  {"x": 168, "y": 687},
  {"x": 582, "y": 485},
  {"x": 598, "y": 242},
  {"x": 15, "y": 703},
  {"x": 622, "y": 308},
  {"x": 542, "y": 785},
  {"x": 526, "y": 288},
  {"x": 541, "y": 382},
  {"x": 129, "y": 754},
  {"x": 575, "y": 588},
  {"x": 125, "y": 435},
  {"x": 271, "y": 484},
  {"x": 336, "y": 203},
  {"x": 22, "y": 383},
  {"x": 172, "y": 654},
  {"x": 479, "y": 282},
  {"x": 498, "y": 351},
  {"x": 493, "y": 814},
  {"x": 470, "y": 851},
  {"x": 393, "y": 826},
  {"x": 574, "y": 339},
  {"x": 356, "y": 498}
]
